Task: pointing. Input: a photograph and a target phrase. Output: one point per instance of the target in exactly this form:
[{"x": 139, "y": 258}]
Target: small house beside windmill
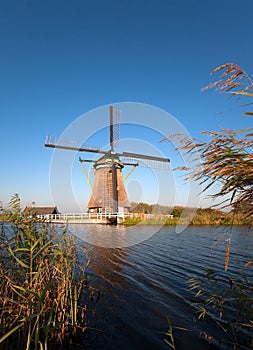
[{"x": 33, "y": 212}]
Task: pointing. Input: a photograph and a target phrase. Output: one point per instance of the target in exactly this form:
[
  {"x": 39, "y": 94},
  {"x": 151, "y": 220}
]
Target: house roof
[{"x": 40, "y": 210}]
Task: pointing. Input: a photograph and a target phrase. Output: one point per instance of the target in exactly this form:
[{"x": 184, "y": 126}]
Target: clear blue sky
[{"x": 60, "y": 59}]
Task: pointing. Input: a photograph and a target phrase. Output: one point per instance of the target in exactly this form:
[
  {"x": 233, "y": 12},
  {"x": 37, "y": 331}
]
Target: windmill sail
[
  {"x": 146, "y": 161},
  {"x": 54, "y": 142},
  {"x": 114, "y": 127}
]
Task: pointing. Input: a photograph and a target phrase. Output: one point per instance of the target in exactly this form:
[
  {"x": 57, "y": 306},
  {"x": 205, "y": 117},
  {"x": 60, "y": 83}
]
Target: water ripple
[{"x": 142, "y": 284}]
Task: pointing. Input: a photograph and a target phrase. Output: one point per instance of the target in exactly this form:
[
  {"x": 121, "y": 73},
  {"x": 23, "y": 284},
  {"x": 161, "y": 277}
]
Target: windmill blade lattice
[
  {"x": 146, "y": 163},
  {"x": 115, "y": 121},
  {"x": 55, "y": 142}
]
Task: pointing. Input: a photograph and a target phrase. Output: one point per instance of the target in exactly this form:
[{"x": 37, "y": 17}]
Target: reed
[
  {"x": 40, "y": 288},
  {"x": 226, "y": 161},
  {"x": 169, "y": 335},
  {"x": 226, "y": 301}
]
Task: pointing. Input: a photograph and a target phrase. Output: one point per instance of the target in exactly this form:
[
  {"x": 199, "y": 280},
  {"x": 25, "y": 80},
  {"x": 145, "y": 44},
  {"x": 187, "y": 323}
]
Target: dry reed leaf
[
  {"x": 247, "y": 265},
  {"x": 227, "y": 255},
  {"x": 215, "y": 243}
]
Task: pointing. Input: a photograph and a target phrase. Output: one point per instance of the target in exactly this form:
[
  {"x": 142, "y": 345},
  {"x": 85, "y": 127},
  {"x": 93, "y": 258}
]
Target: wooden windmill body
[
  {"x": 101, "y": 200},
  {"x": 108, "y": 191}
]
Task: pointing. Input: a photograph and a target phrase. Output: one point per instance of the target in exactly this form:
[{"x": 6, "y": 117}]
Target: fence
[{"x": 99, "y": 217}]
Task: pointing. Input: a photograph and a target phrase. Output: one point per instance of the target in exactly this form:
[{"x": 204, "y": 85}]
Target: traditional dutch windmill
[{"x": 108, "y": 191}]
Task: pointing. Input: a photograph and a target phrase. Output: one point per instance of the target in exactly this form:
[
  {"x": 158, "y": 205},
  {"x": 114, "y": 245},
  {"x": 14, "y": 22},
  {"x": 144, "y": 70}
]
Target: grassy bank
[
  {"x": 188, "y": 215},
  {"x": 199, "y": 217}
]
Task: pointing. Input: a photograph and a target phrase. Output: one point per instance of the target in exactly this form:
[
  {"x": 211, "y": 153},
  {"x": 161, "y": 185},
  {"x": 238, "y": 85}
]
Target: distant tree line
[
  {"x": 146, "y": 208},
  {"x": 200, "y": 216}
]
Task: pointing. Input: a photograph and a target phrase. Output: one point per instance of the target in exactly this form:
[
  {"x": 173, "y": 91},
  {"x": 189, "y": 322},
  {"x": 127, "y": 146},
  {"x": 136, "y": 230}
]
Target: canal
[{"x": 139, "y": 278}]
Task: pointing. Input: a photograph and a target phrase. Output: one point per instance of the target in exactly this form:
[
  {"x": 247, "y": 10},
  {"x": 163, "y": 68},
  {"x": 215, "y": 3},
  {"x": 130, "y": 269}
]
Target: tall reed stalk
[{"x": 40, "y": 288}]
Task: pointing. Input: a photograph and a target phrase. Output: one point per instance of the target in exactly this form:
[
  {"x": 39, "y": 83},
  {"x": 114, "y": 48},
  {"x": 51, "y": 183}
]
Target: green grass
[{"x": 131, "y": 222}]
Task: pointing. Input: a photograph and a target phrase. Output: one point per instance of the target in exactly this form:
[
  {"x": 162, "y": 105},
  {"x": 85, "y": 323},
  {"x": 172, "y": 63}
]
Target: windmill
[{"x": 108, "y": 191}]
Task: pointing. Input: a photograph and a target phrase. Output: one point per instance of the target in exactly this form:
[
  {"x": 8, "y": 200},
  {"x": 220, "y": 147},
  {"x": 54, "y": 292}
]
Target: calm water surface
[{"x": 137, "y": 287}]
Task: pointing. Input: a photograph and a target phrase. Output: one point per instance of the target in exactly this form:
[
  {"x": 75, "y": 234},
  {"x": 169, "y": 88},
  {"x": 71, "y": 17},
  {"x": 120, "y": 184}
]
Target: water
[{"x": 137, "y": 287}]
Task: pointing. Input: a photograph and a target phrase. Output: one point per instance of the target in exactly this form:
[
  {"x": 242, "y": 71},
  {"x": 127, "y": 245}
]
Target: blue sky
[{"x": 61, "y": 59}]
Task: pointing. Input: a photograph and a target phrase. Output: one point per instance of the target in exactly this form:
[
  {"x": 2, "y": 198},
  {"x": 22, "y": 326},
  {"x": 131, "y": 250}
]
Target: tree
[{"x": 176, "y": 212}]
